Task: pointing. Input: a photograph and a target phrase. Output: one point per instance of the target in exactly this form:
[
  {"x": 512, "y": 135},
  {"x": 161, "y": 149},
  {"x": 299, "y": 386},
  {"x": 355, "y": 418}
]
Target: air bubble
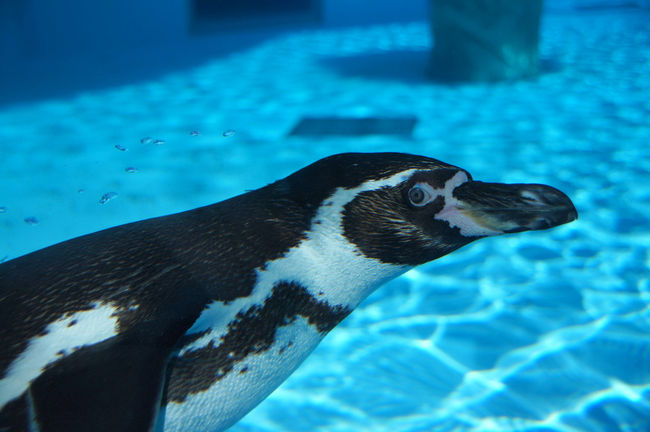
[
  {"x": 31, "y": 220},
  {"x": 107, "y": 197}
]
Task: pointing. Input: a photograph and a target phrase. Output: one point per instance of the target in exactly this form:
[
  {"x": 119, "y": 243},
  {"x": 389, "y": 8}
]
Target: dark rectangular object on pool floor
[{"x": 354, "y": 126}]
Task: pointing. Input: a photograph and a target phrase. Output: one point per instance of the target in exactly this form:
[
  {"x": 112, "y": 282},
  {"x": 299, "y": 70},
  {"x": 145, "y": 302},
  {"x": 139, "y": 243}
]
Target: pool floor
[{"x": 544, "y": 331}]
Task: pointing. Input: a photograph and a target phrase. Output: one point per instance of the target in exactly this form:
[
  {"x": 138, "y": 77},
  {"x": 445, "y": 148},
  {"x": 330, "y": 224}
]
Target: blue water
[{"x": 544, "y": 331}]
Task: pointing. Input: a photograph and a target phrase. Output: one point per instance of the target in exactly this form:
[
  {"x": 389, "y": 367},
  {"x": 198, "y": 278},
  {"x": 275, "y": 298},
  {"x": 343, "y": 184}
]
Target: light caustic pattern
[{"x": 543, "y": 331}]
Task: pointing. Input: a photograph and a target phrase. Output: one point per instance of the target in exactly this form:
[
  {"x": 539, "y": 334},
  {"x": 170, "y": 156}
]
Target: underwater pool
[{"x": 544, "y": 331}]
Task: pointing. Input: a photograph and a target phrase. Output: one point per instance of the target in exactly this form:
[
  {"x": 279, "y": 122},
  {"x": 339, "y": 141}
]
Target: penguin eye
[{"x": 418, "y": 196}]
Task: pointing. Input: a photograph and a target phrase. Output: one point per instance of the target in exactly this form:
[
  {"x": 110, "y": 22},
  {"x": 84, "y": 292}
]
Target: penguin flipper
[{"x": 115, "y": 385}]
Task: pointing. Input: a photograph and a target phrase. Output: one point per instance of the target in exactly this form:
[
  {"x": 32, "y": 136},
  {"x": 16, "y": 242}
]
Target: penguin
[{"x": 186, "y": 322}]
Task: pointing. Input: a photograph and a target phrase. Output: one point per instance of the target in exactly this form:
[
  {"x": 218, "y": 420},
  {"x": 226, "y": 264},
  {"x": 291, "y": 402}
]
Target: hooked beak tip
[{"x": 510, "y": 208}]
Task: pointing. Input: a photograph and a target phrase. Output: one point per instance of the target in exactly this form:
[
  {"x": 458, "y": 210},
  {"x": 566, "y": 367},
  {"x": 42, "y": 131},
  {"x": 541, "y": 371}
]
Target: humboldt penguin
[{"x": 186, "y": 322}]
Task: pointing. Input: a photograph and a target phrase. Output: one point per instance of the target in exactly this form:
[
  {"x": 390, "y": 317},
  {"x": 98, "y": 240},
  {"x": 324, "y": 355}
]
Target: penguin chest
[
  {"x": 218, "y": 378},
  {"x": 237, "y": 353}
]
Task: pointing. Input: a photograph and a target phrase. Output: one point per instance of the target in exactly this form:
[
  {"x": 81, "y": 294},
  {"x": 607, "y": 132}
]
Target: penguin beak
[{"x": 510, "y": 208}]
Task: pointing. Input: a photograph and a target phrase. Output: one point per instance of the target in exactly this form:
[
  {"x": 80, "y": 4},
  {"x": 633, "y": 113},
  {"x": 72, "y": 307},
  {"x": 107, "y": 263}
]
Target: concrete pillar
[{"x": 485, "y": 40}]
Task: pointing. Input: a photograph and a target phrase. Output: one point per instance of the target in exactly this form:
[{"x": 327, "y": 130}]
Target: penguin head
[{"x": 406, "y": 210}]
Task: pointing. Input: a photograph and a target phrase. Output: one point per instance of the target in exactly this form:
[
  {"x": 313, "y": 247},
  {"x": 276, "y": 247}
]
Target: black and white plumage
[{"x": 186, "y": 322}]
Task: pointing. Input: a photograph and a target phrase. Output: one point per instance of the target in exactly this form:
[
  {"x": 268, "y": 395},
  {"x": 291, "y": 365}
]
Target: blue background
[{"x": 544, "y": 331}]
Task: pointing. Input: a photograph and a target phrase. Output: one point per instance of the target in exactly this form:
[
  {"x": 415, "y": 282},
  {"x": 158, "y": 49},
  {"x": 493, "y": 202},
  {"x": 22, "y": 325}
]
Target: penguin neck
[
  {"x": 326, "y": 263},
  {"x": 330, "y": 270}
]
